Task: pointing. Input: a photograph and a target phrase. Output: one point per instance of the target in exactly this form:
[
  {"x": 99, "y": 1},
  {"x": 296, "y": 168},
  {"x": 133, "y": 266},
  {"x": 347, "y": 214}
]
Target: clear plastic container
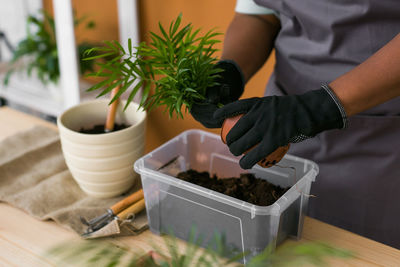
[{"x": 174, "y": 205}]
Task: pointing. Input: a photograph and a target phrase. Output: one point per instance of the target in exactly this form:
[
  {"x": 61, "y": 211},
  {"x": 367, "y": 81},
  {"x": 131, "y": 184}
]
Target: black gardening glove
[
  {"x": 274, "y": 121},
  {"x": 230, "y": 88}
]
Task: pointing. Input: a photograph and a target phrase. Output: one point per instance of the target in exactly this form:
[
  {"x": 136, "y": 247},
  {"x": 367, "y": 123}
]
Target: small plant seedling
[{"x": 179, "y": 63}]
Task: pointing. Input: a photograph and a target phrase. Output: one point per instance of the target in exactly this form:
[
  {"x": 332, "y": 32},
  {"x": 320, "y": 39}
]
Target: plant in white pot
[
  {"x": 101, "y": 163},
  {"x": 180, "y": 66}
]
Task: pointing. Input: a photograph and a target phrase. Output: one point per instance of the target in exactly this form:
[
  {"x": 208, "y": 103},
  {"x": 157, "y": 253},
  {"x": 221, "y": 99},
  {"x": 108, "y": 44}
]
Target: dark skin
[
  {"x": 373, "y": 82},
  {"x": 256, "y": 35}
]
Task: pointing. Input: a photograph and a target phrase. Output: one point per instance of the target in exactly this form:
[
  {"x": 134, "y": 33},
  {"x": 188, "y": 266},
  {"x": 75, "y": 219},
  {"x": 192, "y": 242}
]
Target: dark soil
[
  {"x": 247, "y": 187},
  {"x": 99, "y": 129}
]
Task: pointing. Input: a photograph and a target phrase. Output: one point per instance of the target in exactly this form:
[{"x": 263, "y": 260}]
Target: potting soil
[
  {"x": 247, "y": 187},
  {"x": 99, "y": 129}
]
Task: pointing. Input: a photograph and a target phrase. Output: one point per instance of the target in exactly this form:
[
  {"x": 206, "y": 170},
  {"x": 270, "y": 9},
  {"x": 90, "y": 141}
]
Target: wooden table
[{"x": 23, "y": 239}]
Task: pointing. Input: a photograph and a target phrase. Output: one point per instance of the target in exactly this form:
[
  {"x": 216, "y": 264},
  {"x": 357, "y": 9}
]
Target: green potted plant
[
  {"x": 101, "y": 161},
  {"x": 180, "y": 65},
  {"x": 39, "y": 50}
]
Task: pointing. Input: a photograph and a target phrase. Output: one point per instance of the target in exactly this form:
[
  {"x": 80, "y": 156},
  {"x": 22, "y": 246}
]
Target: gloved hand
[
  {"x": 230, "y": 88},
  {"x": 274, "y": 121}
]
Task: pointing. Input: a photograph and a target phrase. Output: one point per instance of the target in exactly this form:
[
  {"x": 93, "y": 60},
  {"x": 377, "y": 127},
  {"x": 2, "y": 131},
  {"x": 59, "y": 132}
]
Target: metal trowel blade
[{"x": 112, "y": 228}]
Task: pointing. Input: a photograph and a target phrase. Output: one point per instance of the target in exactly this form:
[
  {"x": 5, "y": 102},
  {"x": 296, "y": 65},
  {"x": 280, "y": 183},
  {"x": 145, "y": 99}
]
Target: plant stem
[{"x": 109, "y": 126}]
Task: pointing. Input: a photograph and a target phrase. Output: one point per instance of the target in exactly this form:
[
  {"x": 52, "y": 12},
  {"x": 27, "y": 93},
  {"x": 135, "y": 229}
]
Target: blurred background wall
[{"x": 205, "y": 14}]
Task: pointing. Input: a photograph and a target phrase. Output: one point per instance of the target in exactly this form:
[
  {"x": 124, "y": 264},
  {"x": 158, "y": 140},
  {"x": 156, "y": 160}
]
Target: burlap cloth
[{"x": 35, "y": 178}]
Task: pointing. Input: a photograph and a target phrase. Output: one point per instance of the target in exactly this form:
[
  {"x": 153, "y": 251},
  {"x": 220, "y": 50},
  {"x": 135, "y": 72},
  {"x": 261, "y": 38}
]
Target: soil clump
[{"x": 247, "y": 187}]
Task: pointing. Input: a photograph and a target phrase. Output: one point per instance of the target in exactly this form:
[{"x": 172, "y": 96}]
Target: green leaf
[
  {"x": 96, "y": 49},
  {"x": 117, "y": 44},
  {"x": 112, "y": 46},
  {"x": 122, "y": 90},
  {"x": 163, "y": 32},
  {"x": 133, "y": 93},
  {"x": 99, "y": 56},
  {"x": 99, "y": 85},
  {"x": 175, "y": 25},
  {"x": 130, "y": 46},
  {"x": 145, "y": 94},
  {"x": 181, "y": 33},
  {"x": 109, "y": 88},
  {"x": 7, "y": 77}
]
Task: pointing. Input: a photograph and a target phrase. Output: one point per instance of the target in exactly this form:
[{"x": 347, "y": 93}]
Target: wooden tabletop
[{"x": 24, "y": 239}]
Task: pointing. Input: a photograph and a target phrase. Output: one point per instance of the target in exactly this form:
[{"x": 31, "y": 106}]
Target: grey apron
[{"x": 358, "y": 187}]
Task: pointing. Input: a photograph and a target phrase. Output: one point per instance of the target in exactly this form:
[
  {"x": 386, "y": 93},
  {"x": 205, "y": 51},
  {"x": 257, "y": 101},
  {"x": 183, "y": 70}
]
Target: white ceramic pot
[{"x": 102, "y": 164}]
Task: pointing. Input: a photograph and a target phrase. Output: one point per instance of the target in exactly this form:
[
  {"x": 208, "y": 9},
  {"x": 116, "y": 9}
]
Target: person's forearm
[
  {"x": 373, "y": 82},
  {"x": 249, "y": 41}
]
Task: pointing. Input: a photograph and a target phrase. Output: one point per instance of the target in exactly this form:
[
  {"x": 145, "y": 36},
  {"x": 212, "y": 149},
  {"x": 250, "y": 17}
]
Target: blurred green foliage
[
  {"x": 39, "y": 49},
  {"x": 218, "y": 253}
]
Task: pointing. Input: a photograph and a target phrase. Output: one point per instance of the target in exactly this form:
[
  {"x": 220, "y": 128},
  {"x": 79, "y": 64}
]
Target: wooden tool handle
[
  {"x": 134, "y": 209},
  {"x": 111, "y": 111},
  {"x": 126, "y": 202}
]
